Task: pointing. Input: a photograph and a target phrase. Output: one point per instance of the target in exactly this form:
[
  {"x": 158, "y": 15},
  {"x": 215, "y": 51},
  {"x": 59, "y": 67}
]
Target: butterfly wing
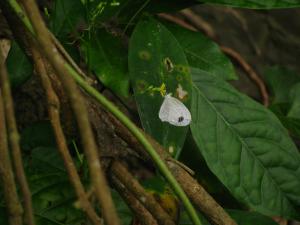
[
  {"x": 165, "y": 109},
  {"x": 174, "y": 112}
]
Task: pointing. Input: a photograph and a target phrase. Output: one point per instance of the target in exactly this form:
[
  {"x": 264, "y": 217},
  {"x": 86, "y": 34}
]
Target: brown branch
[
  {"x": 146, "y": 199},
  {"x": 177, "y": 20},
  {"x": 213, "y": 211},
  {"x": 13, "y": 205},
  {"x": 14, "y": 140},
  {"x": 199, "y": 24},
  {"x": 49, "y": 49},
  {"x": 140, "y": 212},
  {"x": 243, "y": 22},
  {"x": 250, "y": 71},
  {"x": 53, "y": 110}
]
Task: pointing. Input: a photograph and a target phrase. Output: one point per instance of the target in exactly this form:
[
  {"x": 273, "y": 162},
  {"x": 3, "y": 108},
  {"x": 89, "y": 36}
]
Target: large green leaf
[
  {"x": 203, "y": 53},
  {"x": 257, "y": 4},
  {"x": 280, "y": 80},
  {"x": 155, "y": 57},
  {"x": 245, "y": 146},
  {"x": 18, "y": 65},
  {"x": 107, "y": 58}
]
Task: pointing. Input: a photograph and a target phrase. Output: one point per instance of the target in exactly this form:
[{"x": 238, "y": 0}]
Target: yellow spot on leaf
[{"x": 145, "y": 55}]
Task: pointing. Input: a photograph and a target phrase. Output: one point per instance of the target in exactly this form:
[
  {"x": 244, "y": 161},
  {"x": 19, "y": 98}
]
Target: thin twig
[
  {"x": 140, "y": 212},
  {"x": 13, "y": 205},
  {"x": 68, "y": 58},
  {"x": 177, "y": 20},
  {"x": 49, "y": 49},
  {"x": 198, "y": 22},
  {"x": 146, "y": 199},
  {"x": 250, "y": 71},
  {"x": 53, "y": 110},
  {"x": 14, "y": 141},
  {"x": 241, "y": 19}
]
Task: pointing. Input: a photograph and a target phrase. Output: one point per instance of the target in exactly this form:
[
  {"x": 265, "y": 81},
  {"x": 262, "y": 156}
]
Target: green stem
[
  {"x": 126, "y": 121},
  {"x": 21, "y": 14}
]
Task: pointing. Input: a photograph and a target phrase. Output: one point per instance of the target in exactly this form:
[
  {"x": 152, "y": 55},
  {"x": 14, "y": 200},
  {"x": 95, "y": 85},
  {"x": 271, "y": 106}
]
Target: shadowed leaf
[{"x": 156, "y": 58}]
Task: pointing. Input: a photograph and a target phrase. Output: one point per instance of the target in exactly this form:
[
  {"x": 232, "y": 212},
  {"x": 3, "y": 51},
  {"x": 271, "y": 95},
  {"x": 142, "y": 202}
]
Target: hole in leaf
[{"x": 168, "y": 64}]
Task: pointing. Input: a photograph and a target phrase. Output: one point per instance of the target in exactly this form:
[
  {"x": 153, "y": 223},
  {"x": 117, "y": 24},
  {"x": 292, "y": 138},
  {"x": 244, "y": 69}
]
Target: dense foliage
[{"x": 135, "y": 54}]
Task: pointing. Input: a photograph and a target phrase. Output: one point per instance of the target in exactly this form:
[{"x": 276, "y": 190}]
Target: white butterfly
[{"x": 174, "y": 112}]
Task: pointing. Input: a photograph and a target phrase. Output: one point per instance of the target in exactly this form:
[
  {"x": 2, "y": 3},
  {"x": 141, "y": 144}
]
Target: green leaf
[
  {"x": 285, "y": 86},
  {"x": 203, "y": 53},
  {"x": 245, "y": 146},
  {"x": 18, "y": 65},
  {"x": 155, "y": 184},
  {"x": 280, "y": 80},
  {"x": 37, "y": 135},
  {"x": 292, "y": 124},
  {"x": 122, "y": 209},
  {"x": 66, "y": 16},
  {"x": 257, "y": 4},
  {"x": 52, "y": 195},
  {"x": 107, "y": 58},
  {"x": 156, "y": 58},
  {"x": 46, "y": 160},
  {"x": 250, "y": 218},
  {"x": 294, "y": 111}
]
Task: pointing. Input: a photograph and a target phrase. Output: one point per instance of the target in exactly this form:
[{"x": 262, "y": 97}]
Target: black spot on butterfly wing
[{"x": 180, "y": 119}]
